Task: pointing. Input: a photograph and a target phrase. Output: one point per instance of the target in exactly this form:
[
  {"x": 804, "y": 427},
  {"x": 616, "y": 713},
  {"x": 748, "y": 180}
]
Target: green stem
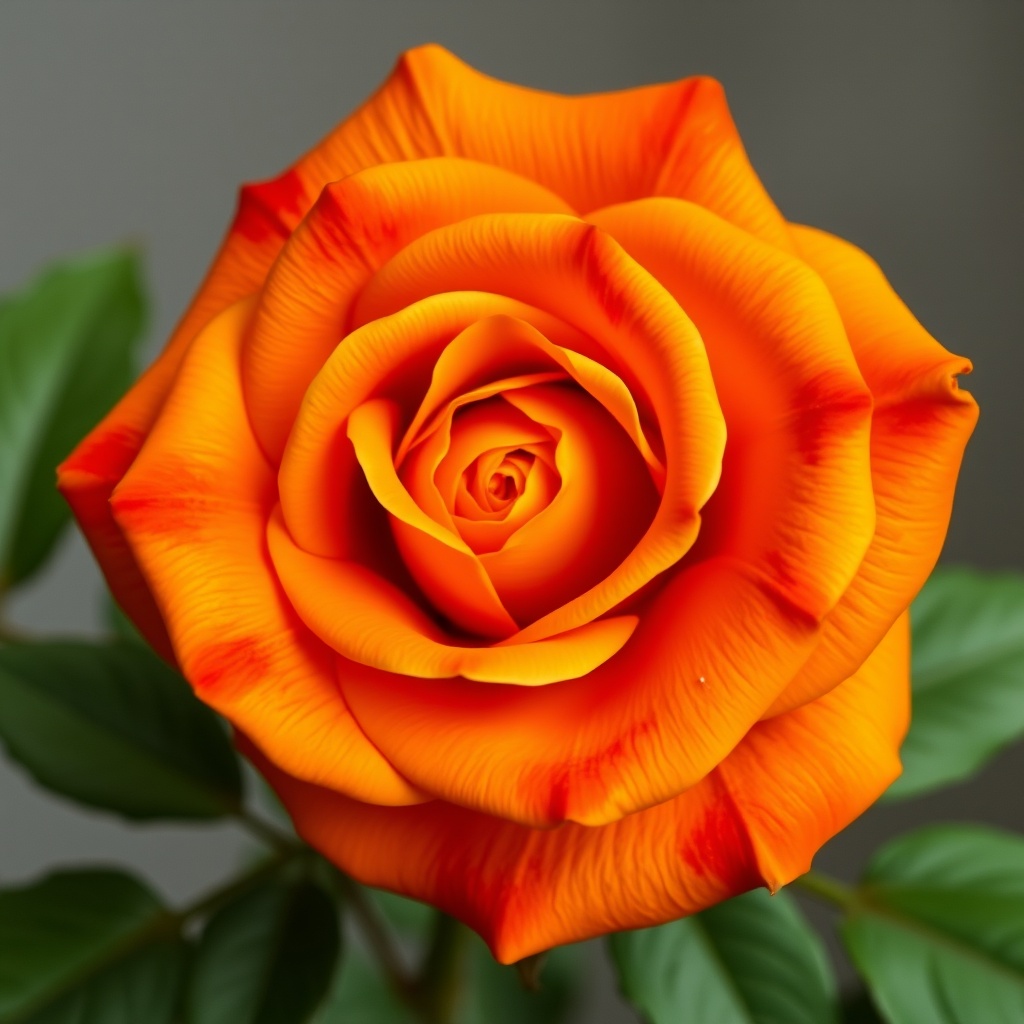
[
  {"x": 827, "y": 889},
  {"x": 376, "y": 933},
  {"x": 264, "y": 831},
  {"x": 365, "y": 914},
  {"x": 438, "y": 987},
  {"x": 239, "y": 885}
]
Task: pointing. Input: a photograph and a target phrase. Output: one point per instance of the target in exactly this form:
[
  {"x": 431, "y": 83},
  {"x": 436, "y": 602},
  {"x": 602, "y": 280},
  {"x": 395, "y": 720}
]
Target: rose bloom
[{"x": 540, "y": 506}]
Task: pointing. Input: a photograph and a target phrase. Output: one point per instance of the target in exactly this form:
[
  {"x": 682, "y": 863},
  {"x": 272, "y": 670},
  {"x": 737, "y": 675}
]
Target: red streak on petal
[
  {"x": 161, "y": 514},
  {"x": 719, "y": 847},
  {"x": 270, "y": 208},
  {"x": 238, "y": 664},
  {"x": 105, "y": 454},
  {"x": 570, "y": 803}
]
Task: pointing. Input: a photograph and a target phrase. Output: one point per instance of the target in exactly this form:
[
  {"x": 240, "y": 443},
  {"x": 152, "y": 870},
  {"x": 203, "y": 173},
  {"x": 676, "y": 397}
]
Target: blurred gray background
[{"x": 900, "y": 127}]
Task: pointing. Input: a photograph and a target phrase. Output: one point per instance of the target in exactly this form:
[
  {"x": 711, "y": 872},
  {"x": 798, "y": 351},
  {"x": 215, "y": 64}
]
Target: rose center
[{"x": 495, "y": 488}]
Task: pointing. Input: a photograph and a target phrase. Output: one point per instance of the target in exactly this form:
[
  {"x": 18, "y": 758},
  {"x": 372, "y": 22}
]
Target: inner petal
[
  {"x": 477, "y": 434},
  {"x": 484, "y": 532},
  {"x": 494, "y": 482},
  {"x": 582, "y": 276},
  {"x": 447, "y": 571},
  {"x": 606, "y": 502}
]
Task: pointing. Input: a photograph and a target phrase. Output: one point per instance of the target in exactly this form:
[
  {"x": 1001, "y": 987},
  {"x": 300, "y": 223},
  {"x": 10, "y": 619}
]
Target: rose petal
[
  {"x": 795, "y": 496},
  {"x": 369, "y": 621},
  {"x": 356, "y": 225},
  {"x": 194, "y": 507},
  {"x": 676, "y": 139},
  {"x": 801, "y": 777},
  {"x": 445, "y": 567},
  {"x": 322, "y": 485},
  {"x": 921, "y": 424},
  {"x": 526, "y": 890},
  {"x": 580, "y": 275},
  {"x": 790, "y": 785},
  {"x": 708, "y": 656}
]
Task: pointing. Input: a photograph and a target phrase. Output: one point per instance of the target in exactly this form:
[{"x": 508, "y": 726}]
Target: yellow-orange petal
[
  {"x": 605, "y": 504},
  {"x": 676, "y": 139},
  {"x": 194, "y": 507},
  {"x": 706, "y": 659},
  {"x": 501, "y": 346},
  {"x": 371, "y": 623},
  {"x": 328, "y": 509},
  {"x": 445, "y": 567},
  {"x": 801, "y": 777},
  {"x": 795, "y": 497},
  {"x": 357, "y": 224},
  {"x": 266, "y": 214},
  {"x": 921, "y": 424},
  {"x": 582, "y": 276},
  {"x": 471, "y": 424},
  {"x": 790, "y": 785},
  {"x": 526, "y": 890}
]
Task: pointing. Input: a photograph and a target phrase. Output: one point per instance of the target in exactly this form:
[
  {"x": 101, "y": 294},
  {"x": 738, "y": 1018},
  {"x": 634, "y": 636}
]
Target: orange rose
[{"x": 538, "y": 504}]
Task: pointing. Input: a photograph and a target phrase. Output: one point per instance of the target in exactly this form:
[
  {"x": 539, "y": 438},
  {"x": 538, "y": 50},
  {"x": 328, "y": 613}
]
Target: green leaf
[
  {"x": 968, "y": 677},
  {"x": 410, "y": 918},
  {"x": 488, "y": 992},
  {"x": 362, "y": 995},
  {"x": 112, "y": 726},
  {"x": 143, "y": 987},
  {"x": 751, "y": 960},
  {"x": 267, "y": 958},
  {"x": 496, "y": 995},
  {"x": 87, "y": 947},
  {"x": 937, "y": 930},
  {"x": 65, "y": 357},
  {"x": 119, "y": 626},
  {"x": 858, "y": 1009}
]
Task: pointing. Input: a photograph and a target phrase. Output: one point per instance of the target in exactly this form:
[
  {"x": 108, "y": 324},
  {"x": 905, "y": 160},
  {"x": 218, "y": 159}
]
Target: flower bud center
[{"x": 495, "y": 488}]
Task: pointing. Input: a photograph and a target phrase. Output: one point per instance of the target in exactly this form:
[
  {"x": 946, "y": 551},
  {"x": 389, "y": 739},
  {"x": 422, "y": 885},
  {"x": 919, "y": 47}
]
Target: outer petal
[
  {"x": 707, "y": 657},
  {"x": 795, "y": 496},
  {"x": 526, "y": 890},
  {"x": 789, "y": 786},
  {"x": 921, "y": 424},
  {"x": 266, "y": 214},
  {"x": 194, "y": 507},
  {"x": 676, "y": 139},
  {"x": 356, "y": 226},
  {"x": 801, "y": 777}
]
